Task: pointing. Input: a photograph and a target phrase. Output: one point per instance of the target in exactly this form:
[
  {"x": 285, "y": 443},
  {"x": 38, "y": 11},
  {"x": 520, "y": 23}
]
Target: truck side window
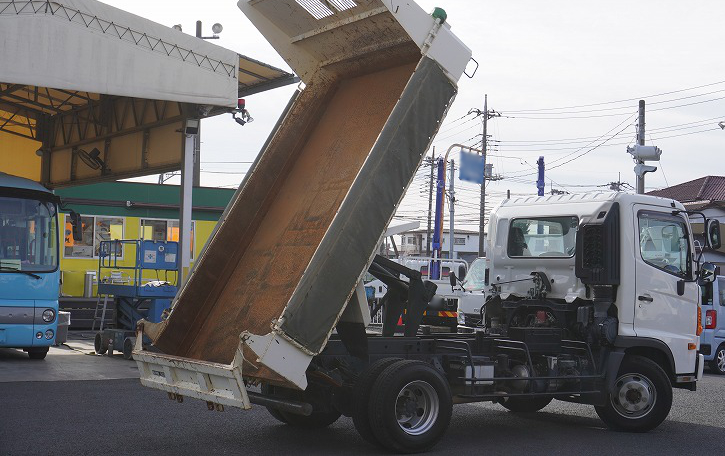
[
  {"x": 663, "y": 242},
  {"x": 542, "y": 237}
]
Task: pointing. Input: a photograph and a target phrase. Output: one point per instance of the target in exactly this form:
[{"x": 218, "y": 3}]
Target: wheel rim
[
  {"x": 634, "y": 396},
  {"x": 417, "y": 407},
  {"x": 721, "y": 360}
]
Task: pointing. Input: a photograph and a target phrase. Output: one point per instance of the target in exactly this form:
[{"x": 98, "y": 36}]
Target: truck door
[{"x": 662, "y": 258}]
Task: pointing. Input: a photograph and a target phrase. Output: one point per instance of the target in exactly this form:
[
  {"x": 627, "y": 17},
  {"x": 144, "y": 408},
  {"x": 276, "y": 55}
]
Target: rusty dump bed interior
[{"x": 303, "y": 226}]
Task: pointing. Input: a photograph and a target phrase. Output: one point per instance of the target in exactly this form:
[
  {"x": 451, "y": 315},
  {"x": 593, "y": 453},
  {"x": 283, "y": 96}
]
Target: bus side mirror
[
  {"x": 712, "y": 233},
  {"x": 452, "y": 278},
  {"x": 76, "y": 226},
  {"x": 707, "y": 273}
]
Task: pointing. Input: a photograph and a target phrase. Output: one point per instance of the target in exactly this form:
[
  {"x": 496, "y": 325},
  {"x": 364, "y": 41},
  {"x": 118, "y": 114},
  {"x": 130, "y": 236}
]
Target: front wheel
[
  {"x": 522, "y": 404},
  {"x": 410, "y": 407},
  {"x": 38, "y": 353},
  {"x": 641, "y": 398},
  {"x": 718, "y": 363}
]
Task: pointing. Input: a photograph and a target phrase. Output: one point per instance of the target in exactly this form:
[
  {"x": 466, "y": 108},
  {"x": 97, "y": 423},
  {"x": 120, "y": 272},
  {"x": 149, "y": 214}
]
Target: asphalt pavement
[{"x": 120, "y": 417}]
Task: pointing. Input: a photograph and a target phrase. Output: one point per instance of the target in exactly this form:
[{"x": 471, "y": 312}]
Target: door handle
[{"x": 645, "y": 298}]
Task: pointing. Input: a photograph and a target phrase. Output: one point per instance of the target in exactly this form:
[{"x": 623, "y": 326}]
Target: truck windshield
[
  {"x": 476, "y": 277},
  {"x": 28, "y": 235},
  {"x": 543, "y": 237}
]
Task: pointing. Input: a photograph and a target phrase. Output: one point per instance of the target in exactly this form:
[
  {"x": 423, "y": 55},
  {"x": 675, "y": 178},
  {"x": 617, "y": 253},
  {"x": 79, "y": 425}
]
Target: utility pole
[
  {"x": 642, "y": 153},
  {"x": 452, "y": 203},
  {"x": 540, "y": 182},
  {"x": 484, "y": 143},
  {"x": 430, "y": 202},
  {"x": 640, "y": 141}
]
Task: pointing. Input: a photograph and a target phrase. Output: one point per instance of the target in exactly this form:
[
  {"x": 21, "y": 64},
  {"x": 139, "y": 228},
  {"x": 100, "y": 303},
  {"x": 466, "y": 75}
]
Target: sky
[{"x": 566, "y": 77}]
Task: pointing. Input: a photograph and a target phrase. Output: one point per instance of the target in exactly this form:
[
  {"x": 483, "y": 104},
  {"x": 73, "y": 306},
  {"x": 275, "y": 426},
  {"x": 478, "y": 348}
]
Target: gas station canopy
[{"x": 89, "y": 92}]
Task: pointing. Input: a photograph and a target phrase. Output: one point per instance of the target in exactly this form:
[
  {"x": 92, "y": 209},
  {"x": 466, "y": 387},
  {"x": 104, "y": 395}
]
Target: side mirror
[
  {"x": 76, "y": 225},
  {"x": 452, "y": 278},
  {"x": 707, "y": 273},
  {"x": 461, "y": 273},
  {"x": 712, "y": 233}
]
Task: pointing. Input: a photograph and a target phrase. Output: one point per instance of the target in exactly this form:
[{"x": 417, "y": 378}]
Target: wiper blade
[{"x": 20, "y": 271}]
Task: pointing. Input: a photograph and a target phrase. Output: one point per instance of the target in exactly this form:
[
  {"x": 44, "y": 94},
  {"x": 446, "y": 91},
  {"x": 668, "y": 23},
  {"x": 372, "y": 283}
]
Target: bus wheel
[
  {"x": 38, "y": 353},
  {"x": 410, "y": 407}
]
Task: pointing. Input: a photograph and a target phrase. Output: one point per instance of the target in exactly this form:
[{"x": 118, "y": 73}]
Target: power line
[{"x": 621, "y": 101}]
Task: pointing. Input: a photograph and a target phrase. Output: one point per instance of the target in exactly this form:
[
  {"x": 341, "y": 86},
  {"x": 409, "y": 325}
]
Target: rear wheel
[
  {"x": 718, "y": 363},
  {"x": 641, "y": 398},
  {"x": 361, "y": 397},
  {"x": 521, "y": 404},
  {"x": 268, "y": 390},
  {"x": 410, "y": 407},
  {"x": 38, "y": 353},
  {"x": 323, "y": 413}
]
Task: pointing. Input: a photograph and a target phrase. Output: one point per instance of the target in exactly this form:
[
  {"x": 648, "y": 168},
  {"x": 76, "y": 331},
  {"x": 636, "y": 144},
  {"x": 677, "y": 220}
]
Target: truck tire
[
  {"x": 361, "y": 397},
  {"x": 521, "y": 404},
  {"x": 268, "y": 390},
  {"x": 38, "y": 353},
  {"x": 410, "y": 407},
  {"x": 100, "y": 344},
  {"x": 323, "y": 413},
  {"x": 718, "y": 363},
  {"x": 641, "y": 398}
]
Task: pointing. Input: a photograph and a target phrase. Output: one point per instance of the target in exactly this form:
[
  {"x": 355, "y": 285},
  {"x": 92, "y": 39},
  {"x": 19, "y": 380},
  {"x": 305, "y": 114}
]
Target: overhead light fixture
[
  {"x": 217, "y": 28},
  {"x": 191, "y": 127},
  {"x": 177, "y": 27}
]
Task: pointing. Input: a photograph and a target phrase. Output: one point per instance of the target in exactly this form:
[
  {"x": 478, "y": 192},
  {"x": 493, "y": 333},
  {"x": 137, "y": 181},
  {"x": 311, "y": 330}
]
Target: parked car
[{"x": 712, "y": 340}]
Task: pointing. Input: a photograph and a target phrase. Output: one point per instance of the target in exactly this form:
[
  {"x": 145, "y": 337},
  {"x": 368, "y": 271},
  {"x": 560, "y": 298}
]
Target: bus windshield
[{"x": 28, "y": 235}]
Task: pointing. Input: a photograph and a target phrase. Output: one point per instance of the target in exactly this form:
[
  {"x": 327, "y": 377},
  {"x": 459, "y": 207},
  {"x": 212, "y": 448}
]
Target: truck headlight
[
  {"x": 49, "y": 334},
  {"x": 48, "y": 315}
]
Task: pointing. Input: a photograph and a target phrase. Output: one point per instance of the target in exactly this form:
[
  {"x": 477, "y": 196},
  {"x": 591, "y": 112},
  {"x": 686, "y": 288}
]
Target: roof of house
[{"x": 704, "y": 189}]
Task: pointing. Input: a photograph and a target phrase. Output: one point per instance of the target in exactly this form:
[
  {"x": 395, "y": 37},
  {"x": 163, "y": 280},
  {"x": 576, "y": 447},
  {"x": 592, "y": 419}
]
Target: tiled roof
[{"x": 706, "y": 189}]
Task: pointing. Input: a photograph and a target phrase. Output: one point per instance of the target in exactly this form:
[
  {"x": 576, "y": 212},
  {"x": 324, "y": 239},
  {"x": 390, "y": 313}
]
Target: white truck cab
[
  {"x": 616, "y": 271},
  {"x": 654, "y": 247}
]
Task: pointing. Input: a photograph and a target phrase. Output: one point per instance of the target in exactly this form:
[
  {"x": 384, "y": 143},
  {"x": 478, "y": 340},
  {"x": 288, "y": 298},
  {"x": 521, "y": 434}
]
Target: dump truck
[{"x": 274, "y": 312}]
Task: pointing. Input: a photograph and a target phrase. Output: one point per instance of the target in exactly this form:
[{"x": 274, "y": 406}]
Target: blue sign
[{"x": 472, "y": 166}]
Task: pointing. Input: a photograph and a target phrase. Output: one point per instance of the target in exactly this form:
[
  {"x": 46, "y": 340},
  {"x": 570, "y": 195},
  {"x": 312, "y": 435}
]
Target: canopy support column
[{"x": 187, "y": 178}]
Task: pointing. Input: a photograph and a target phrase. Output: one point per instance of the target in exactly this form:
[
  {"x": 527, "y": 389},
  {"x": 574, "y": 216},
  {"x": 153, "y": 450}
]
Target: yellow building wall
[
  {"x": 18, "y": 157},
  {"x": 73, "y": 270}
]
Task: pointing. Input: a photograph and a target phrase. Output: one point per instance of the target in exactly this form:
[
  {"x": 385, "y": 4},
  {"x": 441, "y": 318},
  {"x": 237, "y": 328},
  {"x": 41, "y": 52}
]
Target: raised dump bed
[{"x": 302, "y": 229}]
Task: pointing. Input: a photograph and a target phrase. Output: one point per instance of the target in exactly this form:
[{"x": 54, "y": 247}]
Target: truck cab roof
[{"x": 592, "y": 198}]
